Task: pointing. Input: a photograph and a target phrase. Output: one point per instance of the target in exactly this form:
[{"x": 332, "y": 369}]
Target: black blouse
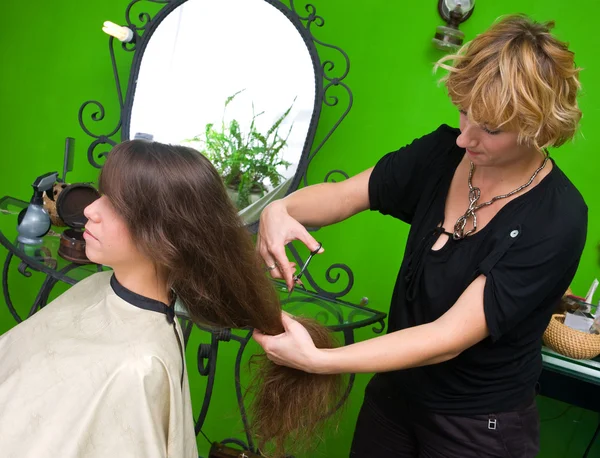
[{"x": 529, "y": 253}]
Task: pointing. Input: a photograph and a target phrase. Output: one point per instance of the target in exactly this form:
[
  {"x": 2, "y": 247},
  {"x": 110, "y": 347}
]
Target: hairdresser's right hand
[{"x": 277, "y": 228}]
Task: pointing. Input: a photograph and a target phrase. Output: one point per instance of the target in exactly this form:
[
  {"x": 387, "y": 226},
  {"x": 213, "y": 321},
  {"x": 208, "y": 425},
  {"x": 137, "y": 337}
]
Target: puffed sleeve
[
  {"x": 533, "y": 267},
  {"x": 399, "y": 178}
]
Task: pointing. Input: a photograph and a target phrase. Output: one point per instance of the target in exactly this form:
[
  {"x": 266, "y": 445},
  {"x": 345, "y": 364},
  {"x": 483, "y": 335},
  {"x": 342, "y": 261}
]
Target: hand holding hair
[{"x": 293, "y": 348}]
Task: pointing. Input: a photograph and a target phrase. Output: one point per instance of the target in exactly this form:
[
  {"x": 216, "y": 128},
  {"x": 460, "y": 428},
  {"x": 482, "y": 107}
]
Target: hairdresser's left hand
[{"x": 293, "y": 348}]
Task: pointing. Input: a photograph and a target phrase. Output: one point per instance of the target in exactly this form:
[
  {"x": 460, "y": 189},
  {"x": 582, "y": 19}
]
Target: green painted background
[{"x": 54, "y": 57}]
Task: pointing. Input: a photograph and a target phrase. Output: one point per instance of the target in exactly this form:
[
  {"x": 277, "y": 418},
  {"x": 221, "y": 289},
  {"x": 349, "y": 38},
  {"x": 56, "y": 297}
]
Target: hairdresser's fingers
[
  {"x": 287, "y": 320},
  {"x": 295, "y": 330},
  {"x": 273, "y": 264},
  {"x": 304, "y": 236},
  {"x": 259, "y": 337},
  {"x": 294, "y": 348},
  {"x": 276, "y": 229},
  {"x": 284, "y": 266},
  {"x": 269, "y": 344},
  {"x": 273, "y": 228},
  {"x": 258, "y": 242},
  {"x": 261, "y": 247},
  {"x": 285, "y": 269}
]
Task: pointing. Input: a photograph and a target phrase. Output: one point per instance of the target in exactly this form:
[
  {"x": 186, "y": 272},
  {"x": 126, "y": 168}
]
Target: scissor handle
[{"x": 312, "y": 253}]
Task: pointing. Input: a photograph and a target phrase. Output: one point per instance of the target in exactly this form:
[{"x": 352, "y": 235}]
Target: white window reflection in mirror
[{"x": 205, "y": 52}]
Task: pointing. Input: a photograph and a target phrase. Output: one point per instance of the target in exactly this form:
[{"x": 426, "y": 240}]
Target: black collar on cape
[{"x": 141, "y": 301}]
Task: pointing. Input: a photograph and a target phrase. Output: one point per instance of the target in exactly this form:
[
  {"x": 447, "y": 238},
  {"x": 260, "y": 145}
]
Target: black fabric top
[{"x": 529, "y": 253}]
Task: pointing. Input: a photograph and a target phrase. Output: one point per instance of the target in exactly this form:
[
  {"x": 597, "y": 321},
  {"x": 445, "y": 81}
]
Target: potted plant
[{"x": 245, "y": 160}]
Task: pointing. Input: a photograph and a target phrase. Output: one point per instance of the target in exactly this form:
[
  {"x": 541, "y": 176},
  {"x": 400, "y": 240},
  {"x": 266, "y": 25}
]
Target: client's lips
[{"x": 88, "y": 233}]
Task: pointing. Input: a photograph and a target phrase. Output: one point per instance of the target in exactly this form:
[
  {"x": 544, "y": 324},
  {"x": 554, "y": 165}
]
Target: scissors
[{"x": 296, "y": 278}]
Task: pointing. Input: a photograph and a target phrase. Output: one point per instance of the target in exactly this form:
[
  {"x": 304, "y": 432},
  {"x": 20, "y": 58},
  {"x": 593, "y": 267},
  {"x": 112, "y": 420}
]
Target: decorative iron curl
[
  {"x": 327, "y": 65},
  {"x": 144, "y": 18},
  {"x": 379, "y": 329},
  {"x": 93, "y": 157},
  {"x": 312, "y": 14},
  {"x": 24, "y": 269},
  {"x": 203, "y": 358},
  {"x": 331, "y": 309},
  {"x": 332, "y": 279},
  {"x": 328, "y": 72},
  {"x": 330, "y": 101},
  {"x": 322, "y": 317},
  {"x": 97, "y": 116},
  {"x": 332, "y": 172},
  {"x": 6, "y": 291}
]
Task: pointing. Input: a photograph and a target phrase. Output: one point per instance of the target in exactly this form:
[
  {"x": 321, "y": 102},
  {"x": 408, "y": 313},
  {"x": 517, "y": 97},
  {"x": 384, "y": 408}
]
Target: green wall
[{"x": 54, "y": 57}]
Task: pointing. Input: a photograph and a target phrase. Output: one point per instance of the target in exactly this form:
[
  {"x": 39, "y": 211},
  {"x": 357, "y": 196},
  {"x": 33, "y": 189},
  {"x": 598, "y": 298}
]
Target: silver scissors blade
[{"x": 296, "y": 278}]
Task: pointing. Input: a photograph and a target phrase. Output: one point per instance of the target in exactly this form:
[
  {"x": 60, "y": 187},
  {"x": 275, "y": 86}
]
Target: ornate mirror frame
[{"x": 329, "y": 78}]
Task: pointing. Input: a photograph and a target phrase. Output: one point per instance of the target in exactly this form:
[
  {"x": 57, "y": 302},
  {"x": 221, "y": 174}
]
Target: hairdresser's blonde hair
[{"x": 516, "y": 74}]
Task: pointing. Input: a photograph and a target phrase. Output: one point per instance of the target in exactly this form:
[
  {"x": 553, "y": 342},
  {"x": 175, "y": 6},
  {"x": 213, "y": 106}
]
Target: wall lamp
[
  {"x": 454, "y": 12},
  {"x": 121, "y": 33}
]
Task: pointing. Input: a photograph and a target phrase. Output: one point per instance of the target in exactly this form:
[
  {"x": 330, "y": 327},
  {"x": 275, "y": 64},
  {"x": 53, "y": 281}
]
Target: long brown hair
[{"x": 179, "y": 214}]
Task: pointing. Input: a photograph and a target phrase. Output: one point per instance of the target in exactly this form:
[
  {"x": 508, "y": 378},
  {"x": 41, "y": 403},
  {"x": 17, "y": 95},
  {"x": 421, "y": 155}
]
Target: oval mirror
[{"x": 236, "y": 80}]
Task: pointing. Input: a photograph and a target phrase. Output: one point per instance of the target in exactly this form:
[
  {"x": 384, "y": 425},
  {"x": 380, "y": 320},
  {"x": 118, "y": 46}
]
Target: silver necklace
[{"x": 475, "y": 194}]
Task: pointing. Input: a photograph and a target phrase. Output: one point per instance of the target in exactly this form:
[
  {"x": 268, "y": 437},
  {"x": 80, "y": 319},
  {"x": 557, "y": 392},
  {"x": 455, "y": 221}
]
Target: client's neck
[{"x": 144, "y": 280}]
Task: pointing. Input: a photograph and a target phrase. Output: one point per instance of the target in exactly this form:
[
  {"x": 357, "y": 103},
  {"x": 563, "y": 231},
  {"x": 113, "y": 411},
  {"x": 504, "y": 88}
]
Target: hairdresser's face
[
  {"x": 493, "y": 148},
  {"x": 108, "y": 240}
]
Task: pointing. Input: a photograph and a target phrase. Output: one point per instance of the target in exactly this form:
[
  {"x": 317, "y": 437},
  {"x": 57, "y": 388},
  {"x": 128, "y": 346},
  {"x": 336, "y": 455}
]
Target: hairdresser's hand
[
  {"x": 293, "y": 348},
  {"x": 277, "y": 229}
]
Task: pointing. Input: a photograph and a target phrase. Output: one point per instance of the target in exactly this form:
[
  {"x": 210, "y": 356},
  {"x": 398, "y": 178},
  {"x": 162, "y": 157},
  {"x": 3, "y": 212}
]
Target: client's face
[{"x": 108, "y": 240}]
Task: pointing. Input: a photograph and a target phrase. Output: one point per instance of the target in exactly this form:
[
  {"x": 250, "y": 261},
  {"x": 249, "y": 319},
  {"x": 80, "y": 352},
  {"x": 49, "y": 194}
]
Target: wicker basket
[{"x": 570, "y": 342}]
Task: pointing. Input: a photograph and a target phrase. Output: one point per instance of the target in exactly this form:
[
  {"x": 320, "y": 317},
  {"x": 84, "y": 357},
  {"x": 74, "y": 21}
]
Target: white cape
[{"x": 95, "y": 375}]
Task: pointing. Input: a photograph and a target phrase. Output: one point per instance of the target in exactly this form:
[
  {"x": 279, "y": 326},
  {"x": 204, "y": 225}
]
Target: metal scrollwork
[
  {"x": 45, "y": 265},
  {"x": 333, "y": 76},
  {"x": 333, "y": 172},
  {"x": 23, "y": 269},
  {"x": 144, "y": 18},
  {"x": 94, "y": 158},
  {"x": 331, "y": 68},
  {"x": 380, "y": 328},
  {"x": 204, "y": 351},
  {"x": 333, "y": 279},
  {"x": 208, "y": 353},
  {"x": 99, "y": 115},
  {"x": 5, "y": 289}
]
